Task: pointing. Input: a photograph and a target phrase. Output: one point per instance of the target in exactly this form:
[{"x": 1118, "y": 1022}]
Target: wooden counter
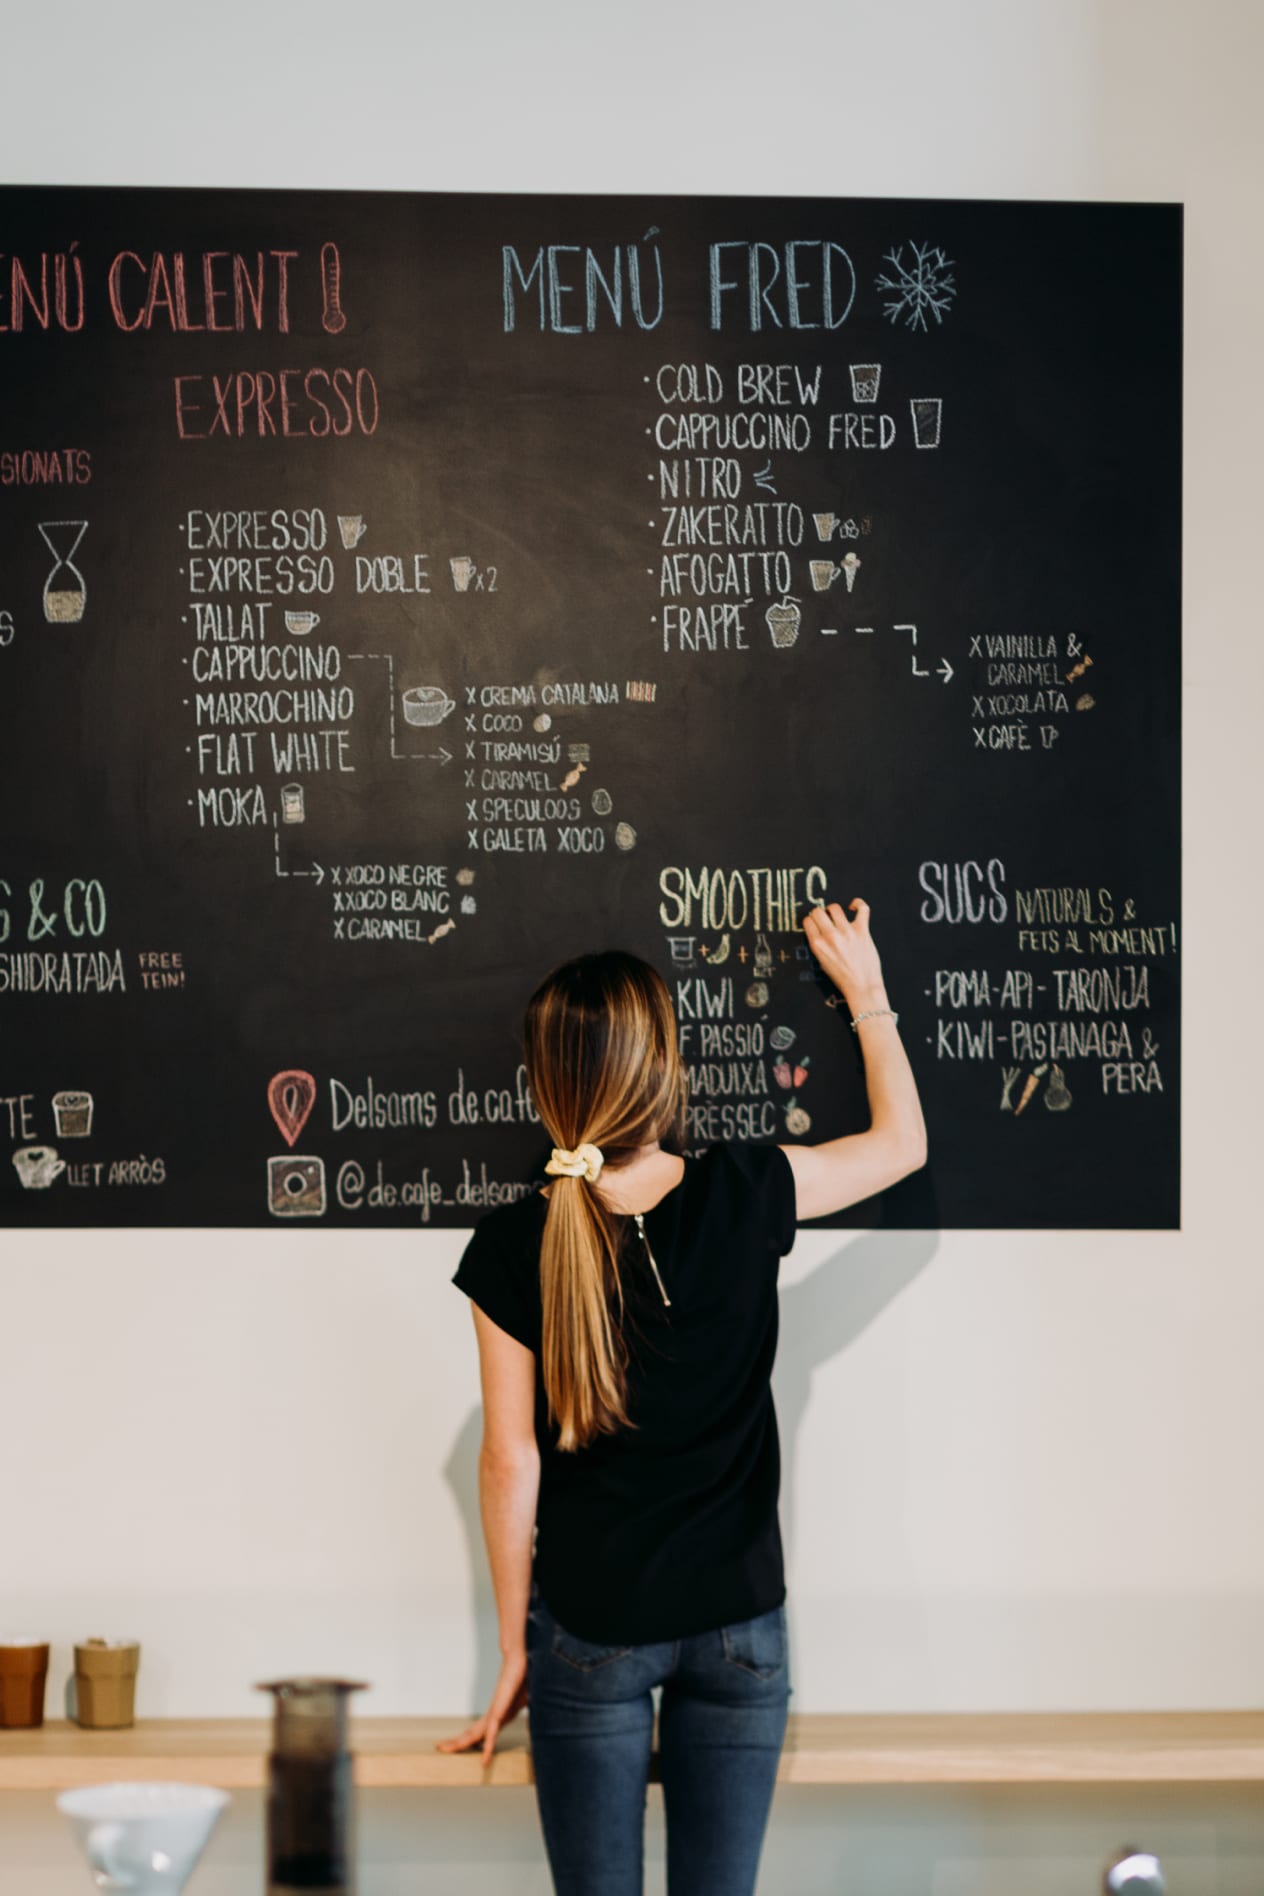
[{"x": 868, "y": 1748}]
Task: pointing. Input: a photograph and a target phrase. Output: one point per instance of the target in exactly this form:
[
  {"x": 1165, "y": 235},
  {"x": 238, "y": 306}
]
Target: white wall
[{"x": 1021, "y": 1469}]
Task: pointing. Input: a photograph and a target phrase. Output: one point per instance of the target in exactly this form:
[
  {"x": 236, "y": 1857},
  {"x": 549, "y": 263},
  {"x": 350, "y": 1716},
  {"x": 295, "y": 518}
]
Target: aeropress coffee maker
[{"x": 310, "y": 1840}]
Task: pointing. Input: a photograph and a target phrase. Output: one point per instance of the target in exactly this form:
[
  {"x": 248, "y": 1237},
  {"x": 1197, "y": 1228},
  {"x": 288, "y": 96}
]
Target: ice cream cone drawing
[{"x": 850, "y": 564}]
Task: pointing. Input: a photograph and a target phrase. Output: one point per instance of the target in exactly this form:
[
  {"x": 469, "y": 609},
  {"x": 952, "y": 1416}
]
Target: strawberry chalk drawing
[
  {"x": 783, "y": 1075},
  {"x": 783, "y": 622}
]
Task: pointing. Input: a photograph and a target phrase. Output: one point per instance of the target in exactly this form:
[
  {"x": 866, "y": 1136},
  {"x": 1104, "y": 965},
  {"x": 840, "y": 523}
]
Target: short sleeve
[
  {"x": 769, "y": 1178},
  {"x": 487, "y": 1276}
]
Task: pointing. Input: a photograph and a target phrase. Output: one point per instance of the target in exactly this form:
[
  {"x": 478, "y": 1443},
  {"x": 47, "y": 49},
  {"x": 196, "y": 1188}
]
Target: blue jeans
[{"x": 722, "y": 1719}]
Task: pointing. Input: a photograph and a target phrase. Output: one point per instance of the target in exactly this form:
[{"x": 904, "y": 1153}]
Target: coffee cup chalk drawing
[
  {"x": 72, "y": 1114},
  {"x": 38, "y": 1166},
  {"x": 783, "y": 620},
  {"x": 426, "y": 704}
]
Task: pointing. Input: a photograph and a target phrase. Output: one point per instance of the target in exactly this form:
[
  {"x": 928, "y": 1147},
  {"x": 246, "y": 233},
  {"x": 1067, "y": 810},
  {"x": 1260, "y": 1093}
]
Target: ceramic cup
[
  {"x": 105, "y": 1683},
  {"x": 139, "y": 1837},
  {"x": 23, "y": 1676}
]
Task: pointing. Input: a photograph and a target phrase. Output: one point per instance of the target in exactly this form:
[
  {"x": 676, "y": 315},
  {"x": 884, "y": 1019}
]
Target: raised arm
[{"x": 841, "y": 1172}]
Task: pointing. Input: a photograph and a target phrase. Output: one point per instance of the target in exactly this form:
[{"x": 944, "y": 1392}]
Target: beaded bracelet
[{"x": 875, "y": 1013}]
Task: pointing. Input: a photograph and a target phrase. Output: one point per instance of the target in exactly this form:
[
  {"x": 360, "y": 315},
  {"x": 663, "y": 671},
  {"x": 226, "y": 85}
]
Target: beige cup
[
  {"x": 352, "y": 529},
  {"x": 825, "y": 525},
  {"x": 824, "y": 573},
  {"x": 23, "y": 1676},
  {"x": 105, "y": 1683},
  {"x": 462, "y": 573}
]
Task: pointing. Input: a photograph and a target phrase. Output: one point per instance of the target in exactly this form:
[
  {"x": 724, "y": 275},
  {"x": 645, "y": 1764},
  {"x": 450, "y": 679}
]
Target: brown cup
[
  {"x": 23, "y": 1675},
  {"x": 105, "y": 1683}
]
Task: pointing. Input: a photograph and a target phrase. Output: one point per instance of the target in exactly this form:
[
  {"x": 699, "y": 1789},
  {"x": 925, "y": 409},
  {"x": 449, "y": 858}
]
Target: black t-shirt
[{"x": 669, "y": 1528}]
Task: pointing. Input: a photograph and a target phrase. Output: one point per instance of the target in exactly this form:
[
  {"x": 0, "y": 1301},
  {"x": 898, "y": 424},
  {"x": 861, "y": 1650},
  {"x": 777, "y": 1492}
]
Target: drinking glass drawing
[
  {"x": 65, "y": 592},
  {"x": 926, "y": 411}
]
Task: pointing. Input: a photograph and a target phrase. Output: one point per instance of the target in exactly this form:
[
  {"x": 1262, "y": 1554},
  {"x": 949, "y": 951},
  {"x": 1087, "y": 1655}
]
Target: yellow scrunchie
[{"x": 585, "y": 1161}]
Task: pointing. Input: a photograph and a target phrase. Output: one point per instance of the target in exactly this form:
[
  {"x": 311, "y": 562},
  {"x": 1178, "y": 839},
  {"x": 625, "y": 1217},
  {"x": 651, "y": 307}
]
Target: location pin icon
[{"x": 291, "y": 1096}]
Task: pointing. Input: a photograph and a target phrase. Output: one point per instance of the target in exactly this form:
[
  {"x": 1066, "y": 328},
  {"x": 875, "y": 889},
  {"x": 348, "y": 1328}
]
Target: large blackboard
[{"x": 400, "y": 593}]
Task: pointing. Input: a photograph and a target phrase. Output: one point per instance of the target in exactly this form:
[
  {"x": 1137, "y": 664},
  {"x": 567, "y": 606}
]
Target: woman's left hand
[{"x": 507, "y": 1701}]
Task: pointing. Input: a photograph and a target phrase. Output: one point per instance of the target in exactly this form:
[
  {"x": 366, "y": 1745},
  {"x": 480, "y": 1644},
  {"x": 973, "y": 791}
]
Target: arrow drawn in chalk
[
  {"x": 316, "y": 870},
  {"x": 440, "y": 756}
]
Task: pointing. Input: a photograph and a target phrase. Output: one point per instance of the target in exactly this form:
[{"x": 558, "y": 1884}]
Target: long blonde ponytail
[{"x": 604, "y": 1069}]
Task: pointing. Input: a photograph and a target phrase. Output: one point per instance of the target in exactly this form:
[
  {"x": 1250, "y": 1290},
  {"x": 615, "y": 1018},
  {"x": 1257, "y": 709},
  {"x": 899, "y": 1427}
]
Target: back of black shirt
[{"x": 670, "y": 1527}]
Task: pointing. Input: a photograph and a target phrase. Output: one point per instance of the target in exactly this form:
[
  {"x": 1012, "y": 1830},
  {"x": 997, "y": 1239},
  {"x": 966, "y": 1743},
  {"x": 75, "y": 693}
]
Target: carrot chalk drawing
[{"x": 1032, "y": 1083}]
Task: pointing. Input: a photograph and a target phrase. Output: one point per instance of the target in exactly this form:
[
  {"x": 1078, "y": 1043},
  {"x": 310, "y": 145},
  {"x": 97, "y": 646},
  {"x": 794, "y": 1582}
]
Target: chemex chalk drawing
[{"x": 65, "y": 589}]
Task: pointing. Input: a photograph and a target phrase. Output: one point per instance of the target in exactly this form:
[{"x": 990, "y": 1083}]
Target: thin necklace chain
[{"x": 640, "y": 1225}]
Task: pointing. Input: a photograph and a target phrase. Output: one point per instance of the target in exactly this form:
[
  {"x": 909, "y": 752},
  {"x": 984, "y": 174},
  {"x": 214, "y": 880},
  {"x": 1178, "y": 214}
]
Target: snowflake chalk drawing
[{"x": 919, "y": 286}]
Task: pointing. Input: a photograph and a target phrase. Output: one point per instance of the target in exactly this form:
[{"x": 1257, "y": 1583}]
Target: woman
[{"x": 626, "y": 1318}]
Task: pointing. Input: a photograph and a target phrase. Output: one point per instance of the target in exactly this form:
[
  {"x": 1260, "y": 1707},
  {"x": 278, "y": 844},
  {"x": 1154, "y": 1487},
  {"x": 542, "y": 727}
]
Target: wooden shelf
[{"x": 867, "y": 1748}]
